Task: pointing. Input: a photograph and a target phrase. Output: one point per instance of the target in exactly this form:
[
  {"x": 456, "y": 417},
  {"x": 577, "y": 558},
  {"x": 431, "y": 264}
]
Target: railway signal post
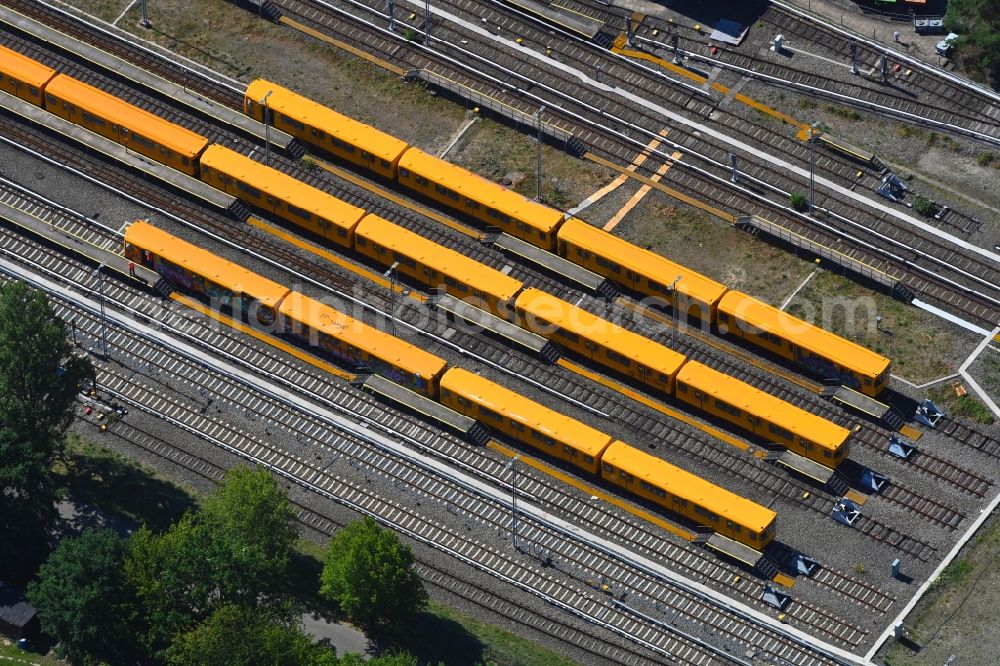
[
  {"x": 673, "y": 310},
  {"x": 144, "y": 21},
  {"x": 538, "y": 153}
]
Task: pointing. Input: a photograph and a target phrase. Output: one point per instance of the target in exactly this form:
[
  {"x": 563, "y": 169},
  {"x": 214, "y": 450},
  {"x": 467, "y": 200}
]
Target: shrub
[{"x": 799, "y": 201}]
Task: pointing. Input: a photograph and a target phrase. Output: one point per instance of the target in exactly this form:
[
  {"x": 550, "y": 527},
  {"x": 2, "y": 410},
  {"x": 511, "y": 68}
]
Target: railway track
[
  {"x": 938, "y": 279},
  {"x": 126, "y": 388}
]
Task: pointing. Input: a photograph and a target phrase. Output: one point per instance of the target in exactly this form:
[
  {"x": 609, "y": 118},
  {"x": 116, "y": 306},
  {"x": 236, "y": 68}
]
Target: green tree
[
  {"x": 237, "y": 636},
  {"x": 252, "y": 518},
  {"x": 78, "y": 596},
  {"x": 235, "y": 550},
  {"x": 369, "y": 572},
  {"x": 39, "y": 380}
]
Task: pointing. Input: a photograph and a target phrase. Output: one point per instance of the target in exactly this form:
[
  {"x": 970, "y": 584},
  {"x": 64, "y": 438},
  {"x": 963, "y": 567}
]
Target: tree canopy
[
  {"x": 235, "y": 550},
  {"x": 236, "y": 636},
  {"x": 78, "y": 596},
  {"x": 978, "y": 49},
  {"x": 369, "y": 572},
  {"x": 39, "y": 380}
]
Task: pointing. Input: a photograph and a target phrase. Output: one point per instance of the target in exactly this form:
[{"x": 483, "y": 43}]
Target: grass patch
[
  {"x": 9, "y": 654},
  {"x": 115, "y": 484},
  {"x": 842, "y": 112},
  {"x": 921, "y": 348},
  {"x": 467, "y": 640},
  {"x": 953, "y": 573},
  {"x": 966, "y": 405},
  {"x": 985, "y": 159}
]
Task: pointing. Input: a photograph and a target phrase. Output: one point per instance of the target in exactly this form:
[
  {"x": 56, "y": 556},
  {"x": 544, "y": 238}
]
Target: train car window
[
  {"x": 421, "y": 181},
  {"x": 363, "y": 242},
  {"x": 618, "y": 358},
  {"x": 545, "y": 439},
  {"x": 340, "y": 231},
  {"x": 474, "y": 205},
  {"x": 516, "y": 425},
  {"x": 730, "y": 524},
  {"x": 404, "y": 173},
  {"x": 305, "y": 215},
  {"x": 726, "y": 407},
  {"x": 49, "y": 99},
  {"x": 868, "y": 381},
  {"x": 752, "y": 536},
  {"x": 504, "y": 218},
  {"x": 569, "y": 335},
  {"x": 680, "y": 502},
  {"x": 367, "y": 157},
  {"x": 542, "y": 235},
  {"x": 93, "y": 120},
  {"x": 663, "y": 378},
  {"x": 430, "y": 272},
  {"x": 491, "y": 414},
  {"x": 779, "y": 431},
  {"x": 723, "y": 317},
  {"x": 138, "y": 138},
  {"x": 185, "y": 161},
  {"x": 252, "y": 191},
  {"x": 611, "y": 266},
  {"x": 568, "y": 450},
  {"x": 608, "y": 468},
  {"x": 699, "y": 395},
  {"x": 580, "y": 252},
  {"x": 588, "y": 459},
  {"x": 642, "y": 370},
  {"x": 385, "y": 164},
  {"x": 441, "y": 189},
  {"x": 826, "y": 453},
  {"x": 492, "y": 212},
  {"x": 702, "y": 511}
]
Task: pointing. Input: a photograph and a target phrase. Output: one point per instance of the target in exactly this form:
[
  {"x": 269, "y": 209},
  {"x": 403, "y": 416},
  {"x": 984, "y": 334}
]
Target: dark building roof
[{"x": 14, "y": 610}]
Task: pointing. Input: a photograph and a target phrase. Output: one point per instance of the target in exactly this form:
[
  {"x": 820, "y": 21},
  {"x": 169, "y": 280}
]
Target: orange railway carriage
[
  {"x": 271, "y": 190},
  {"x": 640, "y": 270},
  {"x": 193, "y": 269},
  {"x": 820, "y": 352},
  {"x": 689, "y": 495},
  {"x": 112, "y": 118},
  {"x": 523, "y": 419},
  {"x": 763, "y": 414},
  {"x": 359, "y": 345},
  {"x": 490, "y": 203},
  {"x": 23, "y": 77},
  {"x": 324, "y": 128},
  {"x": 616, "y": 348},
  {"x": 434, "y": 265}
]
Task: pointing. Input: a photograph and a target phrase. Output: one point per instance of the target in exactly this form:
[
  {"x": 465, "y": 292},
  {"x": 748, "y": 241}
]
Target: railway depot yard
[{"x": 580, "y": 563}]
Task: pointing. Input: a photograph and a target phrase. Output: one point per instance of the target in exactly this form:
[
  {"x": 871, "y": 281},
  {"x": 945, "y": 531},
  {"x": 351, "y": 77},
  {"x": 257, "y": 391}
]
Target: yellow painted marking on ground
[
  {"x": 910, "y": 432},
  {"x": 395, "y": 198},
  {"x": 295, "y": 25},
  {"x": 997, "y": 337},
  {"x": 640, "y": 194},
  {"x": 263, "y": 337},
  {"x": 760, "y": 454},
  {"x": 718, "y": 87},
  {"x": 731, "y": 350},
  {"x": 649, "y": 402},
  {"x": 782, "y": 579},
  {"x": 717, "y": 212},
  {"x": 332, "y": 258},
  {"x": 592, "y": 490},
  {"x": 619, "y": 180},
  {"x": 856, "y": 497}
]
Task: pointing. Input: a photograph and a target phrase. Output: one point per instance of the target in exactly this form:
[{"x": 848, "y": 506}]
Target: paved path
[{"x": 344, "y": 637}]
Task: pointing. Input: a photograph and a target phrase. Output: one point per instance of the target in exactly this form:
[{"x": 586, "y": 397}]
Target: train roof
[
  {"x": 95, "y": 101},
  {"x": 201, "y": 262},
  {"x": 281, "y": 186},
  {"x": 334, "y": 323},
  {"x": 440, "y": 258},
  {"x": 692, "y": 487},
  {"x": 643, "y": 262},
  {"x": 822, "y": 343},
  {"x": 577, "y": 320},
  {"x": 23, "y": 68},
  {"x": 515, "y": 406},
  {"x": 345, "y": 128},
  {"x": 479, "y": 189},
  {"x": 759, "y": 403}
]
